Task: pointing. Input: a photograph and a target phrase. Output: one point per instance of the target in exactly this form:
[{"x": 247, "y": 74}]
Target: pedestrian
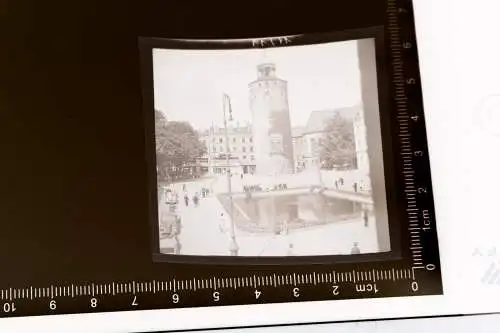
[
  {"x": 355, "y": 186},
  {"x": 365, "y": 217},
  {"x": 186, "y": 199},
  {"x": 195, "y": 199},
  {"x": 337, "y": 184},
  {"x": 355, "y": 249}
]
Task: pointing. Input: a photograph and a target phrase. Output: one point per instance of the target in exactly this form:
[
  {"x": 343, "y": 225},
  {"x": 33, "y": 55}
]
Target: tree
[
  {"x": 337, "y": 147},
  {"x": 177, "y": 145}
]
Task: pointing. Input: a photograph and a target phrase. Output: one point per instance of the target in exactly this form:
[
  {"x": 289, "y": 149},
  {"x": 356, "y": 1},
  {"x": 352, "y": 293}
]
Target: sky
[{"x": 189, "y": 84}]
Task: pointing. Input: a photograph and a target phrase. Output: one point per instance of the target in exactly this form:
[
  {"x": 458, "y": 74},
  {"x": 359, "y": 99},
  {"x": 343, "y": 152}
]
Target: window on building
[
  {"x": 252, "y": 157},
  {"x": 234, "y": 148},
  {"x": 244, "y": 157},
  {"x": 214, "y": 149},
  {"x": 276, "y": 144},
  {"x": 243, "y": 139},
  {"x": 251, "y": 149},
  {"x": 234, "y": 140},
  {"x": 251, "y": 140},
  {"x": 220, "y": 140},
  {"x": 221, "y": 149},
  {"x": 244, "y": 149}
]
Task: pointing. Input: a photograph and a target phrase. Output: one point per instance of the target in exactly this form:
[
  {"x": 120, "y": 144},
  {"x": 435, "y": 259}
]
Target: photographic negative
[{"x": 271, "y": 151}]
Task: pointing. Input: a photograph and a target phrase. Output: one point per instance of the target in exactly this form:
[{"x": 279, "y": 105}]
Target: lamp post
[{"x": 233, "y": 246}]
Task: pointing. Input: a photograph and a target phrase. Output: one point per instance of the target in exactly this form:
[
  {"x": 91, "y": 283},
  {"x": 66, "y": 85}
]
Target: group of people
[
  {"x": 196, "y": 197},
  {"x": 356, "y": 186}
]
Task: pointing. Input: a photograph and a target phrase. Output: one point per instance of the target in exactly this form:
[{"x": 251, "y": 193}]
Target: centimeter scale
[{"x": 419, "y": 274}]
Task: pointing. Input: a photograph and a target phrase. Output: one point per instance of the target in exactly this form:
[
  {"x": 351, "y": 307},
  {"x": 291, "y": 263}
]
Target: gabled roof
[{"x": 319, "y": 119}]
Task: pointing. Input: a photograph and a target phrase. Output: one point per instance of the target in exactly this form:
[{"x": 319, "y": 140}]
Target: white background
[{"x": 460, "y": 65}]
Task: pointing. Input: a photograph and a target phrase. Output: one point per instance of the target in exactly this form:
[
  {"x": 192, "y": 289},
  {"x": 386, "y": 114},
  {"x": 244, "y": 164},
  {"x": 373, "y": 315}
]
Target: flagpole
[{"x": 233, "y": 246}]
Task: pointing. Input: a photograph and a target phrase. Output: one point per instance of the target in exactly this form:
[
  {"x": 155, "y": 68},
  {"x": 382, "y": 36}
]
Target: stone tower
[{"x": 272, "y": 133}]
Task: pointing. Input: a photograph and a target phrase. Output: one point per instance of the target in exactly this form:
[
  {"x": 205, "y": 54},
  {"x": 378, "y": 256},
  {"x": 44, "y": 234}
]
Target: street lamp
[{"x": 233, "y": 246}]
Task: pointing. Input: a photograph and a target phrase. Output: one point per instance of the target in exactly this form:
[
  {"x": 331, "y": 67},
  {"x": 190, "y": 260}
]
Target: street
[{"x": 201, "y": 232}]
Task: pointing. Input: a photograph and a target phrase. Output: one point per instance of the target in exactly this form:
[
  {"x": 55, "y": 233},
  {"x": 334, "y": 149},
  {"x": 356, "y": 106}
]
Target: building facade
[
  {"x": 308, "y": 140},
  {"x": 271, "y": 126},
  {"x": 241, "y": 150},
  {"x": 361, "y": 142}
]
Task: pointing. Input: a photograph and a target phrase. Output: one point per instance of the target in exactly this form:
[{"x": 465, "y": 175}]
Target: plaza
[{"x": 201, "y": 232}]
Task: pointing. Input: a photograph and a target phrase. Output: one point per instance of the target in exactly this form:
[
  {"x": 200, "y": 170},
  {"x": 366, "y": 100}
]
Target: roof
[
  {"x": 319, "y": 119},
  {"x": 245, "y": 129},
  {"x": 298, "y": 131}
]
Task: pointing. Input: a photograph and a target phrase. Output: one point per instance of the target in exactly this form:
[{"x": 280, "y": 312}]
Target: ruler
[
  {"x": 173, "y": 293},
  {"x": 416, "y": 273}
]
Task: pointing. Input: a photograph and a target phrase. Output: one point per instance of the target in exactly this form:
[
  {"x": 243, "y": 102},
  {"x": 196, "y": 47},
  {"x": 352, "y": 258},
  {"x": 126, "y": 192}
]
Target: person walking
[
  {"x": 195, "y": 199},
  {"x": 355, "y": 249},
  {"x": 365, "y": 217},
  {"x": 186, "y": 199}
]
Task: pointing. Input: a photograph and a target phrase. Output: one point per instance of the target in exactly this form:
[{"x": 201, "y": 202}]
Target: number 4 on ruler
[{"x": 257, "y": 294}]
